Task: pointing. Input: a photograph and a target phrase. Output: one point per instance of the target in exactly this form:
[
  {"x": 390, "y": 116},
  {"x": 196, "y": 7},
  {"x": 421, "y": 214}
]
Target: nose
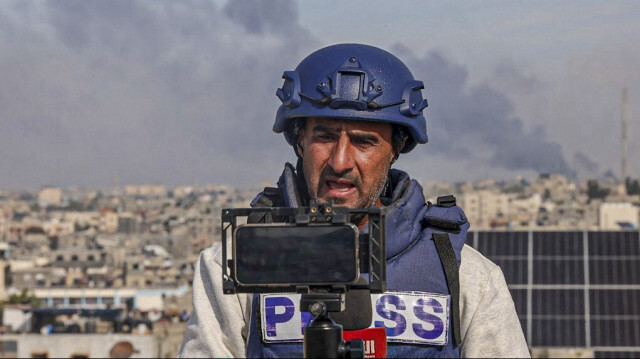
[{"x": 342, "y": 155}]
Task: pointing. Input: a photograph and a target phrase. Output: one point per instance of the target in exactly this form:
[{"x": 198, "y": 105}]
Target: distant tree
[
  {"x": 75, "y": 206},
  {"x": 94, "y": 204},
  {"x": 26, "y": 196},
  {"x": 632, "y": 186},
  {"x": 594, "y": 191},
  {"x": 24, "y": 298}
]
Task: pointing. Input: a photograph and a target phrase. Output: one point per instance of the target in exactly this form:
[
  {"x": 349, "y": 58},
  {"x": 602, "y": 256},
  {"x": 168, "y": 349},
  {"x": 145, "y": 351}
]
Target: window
[
  {"x": 8, "y": 346},
  {"x": 74, "y": 301}
]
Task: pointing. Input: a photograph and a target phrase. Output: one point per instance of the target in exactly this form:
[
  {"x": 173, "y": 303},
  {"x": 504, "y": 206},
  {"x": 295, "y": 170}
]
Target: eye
[
  {"x": 363, "y": 141},
  {"x": 324, "y": 136}
]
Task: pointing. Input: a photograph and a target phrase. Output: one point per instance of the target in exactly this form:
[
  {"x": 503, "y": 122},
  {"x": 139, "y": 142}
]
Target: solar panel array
[{"x": 572, "y": 288}]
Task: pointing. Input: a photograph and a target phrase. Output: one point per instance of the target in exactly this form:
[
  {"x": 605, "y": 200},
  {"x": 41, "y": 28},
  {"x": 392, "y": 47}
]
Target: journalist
[{"x": 349, "y": 111}]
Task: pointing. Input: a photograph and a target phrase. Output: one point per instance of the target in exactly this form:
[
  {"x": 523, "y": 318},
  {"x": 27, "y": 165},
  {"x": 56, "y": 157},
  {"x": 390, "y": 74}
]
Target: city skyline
[{"x": 183, "y": 93}]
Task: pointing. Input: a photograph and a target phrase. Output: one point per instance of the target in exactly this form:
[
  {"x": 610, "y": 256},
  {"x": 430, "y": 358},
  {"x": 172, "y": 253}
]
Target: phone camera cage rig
[
  {"x": 371, "y": 254},
  {"x": 322, "y": 337}
]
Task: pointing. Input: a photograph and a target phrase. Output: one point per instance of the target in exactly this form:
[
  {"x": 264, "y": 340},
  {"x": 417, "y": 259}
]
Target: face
[{"x": 346, "y": 161}]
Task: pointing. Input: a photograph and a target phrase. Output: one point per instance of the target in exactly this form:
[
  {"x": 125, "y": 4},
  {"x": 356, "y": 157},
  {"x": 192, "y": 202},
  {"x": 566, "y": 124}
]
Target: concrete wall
[
  {"x": 92, "y": 345},
  {"x": 612, "y": 213},
  {"x": 16, "y": 319}
]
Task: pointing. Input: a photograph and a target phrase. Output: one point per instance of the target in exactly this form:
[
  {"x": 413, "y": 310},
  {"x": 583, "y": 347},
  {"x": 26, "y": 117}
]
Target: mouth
[{"x": 339, "y": 188}]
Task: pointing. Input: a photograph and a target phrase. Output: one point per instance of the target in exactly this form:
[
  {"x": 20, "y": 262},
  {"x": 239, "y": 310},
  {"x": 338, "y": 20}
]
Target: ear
[
  {"x": 396, "y": 151},
  {"x": 299, "y": 147},
  {"x": 404, "y": 142}
]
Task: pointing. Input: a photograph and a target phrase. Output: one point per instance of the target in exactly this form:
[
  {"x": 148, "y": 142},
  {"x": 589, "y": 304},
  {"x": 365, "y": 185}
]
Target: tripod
[{"x": 323, "y": 337}]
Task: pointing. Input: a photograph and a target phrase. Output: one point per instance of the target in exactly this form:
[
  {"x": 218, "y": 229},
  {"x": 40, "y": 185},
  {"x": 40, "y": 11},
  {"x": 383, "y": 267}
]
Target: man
[{"x": 349, "y": 111}]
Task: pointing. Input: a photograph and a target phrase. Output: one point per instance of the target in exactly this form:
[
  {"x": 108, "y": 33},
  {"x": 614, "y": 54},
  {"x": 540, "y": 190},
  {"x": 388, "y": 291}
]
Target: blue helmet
[{"x": 353, "y": 81}]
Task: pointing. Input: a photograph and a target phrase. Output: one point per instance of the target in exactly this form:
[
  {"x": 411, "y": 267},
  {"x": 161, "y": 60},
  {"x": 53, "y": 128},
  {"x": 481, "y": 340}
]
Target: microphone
[
  {"x": 358, "y": 312},
  {"x": 356, "y": 320},
  {"x": 375, "y": 341}
]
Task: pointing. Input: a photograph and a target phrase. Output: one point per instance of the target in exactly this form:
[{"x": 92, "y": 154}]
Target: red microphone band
[{"x": 375, "y": 341}]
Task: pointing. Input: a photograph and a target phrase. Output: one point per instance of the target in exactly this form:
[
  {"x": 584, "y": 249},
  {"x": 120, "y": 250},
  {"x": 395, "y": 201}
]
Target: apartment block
[
  {"x": 615, "y": 216},
  {"x": 50, "y": 196}
]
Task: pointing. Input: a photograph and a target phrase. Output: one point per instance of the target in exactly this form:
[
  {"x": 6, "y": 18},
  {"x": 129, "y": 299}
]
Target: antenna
[
  {"x": 116, "y": 186},
  {"x": 623, "y": 142}
]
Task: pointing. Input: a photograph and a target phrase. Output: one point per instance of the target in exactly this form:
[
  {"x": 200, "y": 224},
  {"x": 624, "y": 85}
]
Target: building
[
  {"x": 71, "y": 346},
  {"x": 487, "y": 208},
  {"x": 100, "y": 298},
  {"x": 128, "y": 223},
  {"x": 82, "y": 219},
  {"x": 145, "y": 191},
  {"x": 108, "y": 221},
  {"x": 56, "y": 227},
  {"x": 523, "y": 210},
  {"x": 4, "y": 228},
  {"x": 4, "y": 249},
  {"x": 50, "y": 196},
  {"x": 618, "y": 216}
]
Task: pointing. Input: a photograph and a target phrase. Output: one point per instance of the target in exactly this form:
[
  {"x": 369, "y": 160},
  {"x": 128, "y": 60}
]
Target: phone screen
[{"x": 289, "y": 255}]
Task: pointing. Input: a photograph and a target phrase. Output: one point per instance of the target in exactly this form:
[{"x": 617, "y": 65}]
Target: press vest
[{"x": 417, "y": 310}]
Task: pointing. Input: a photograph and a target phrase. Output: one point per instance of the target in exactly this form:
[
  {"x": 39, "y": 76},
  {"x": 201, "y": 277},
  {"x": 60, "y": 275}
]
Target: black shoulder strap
[
  {"x": 270, "y": 197},
  {"x": 450, "y": 265}
]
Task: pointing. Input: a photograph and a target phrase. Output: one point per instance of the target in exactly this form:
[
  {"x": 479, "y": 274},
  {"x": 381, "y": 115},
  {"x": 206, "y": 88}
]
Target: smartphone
[{"x": 288, "y": 254}]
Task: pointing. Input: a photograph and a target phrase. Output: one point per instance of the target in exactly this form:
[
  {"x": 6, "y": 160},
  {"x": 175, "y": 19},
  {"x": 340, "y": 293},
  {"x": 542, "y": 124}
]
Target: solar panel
[
  {"x": 507, "y": 249},
  {"x": 618, "y": 354},
  {"x": 557, "y": 333},
  {"x": 519, "y": 299},
  {"x": 614, "y": 270},
  {"x": 550, "y": 304},
  {"x": 516, "y": 270},
  {"x": 558, "y": 270},
  {"x": 583, "y": 289},
  {"x": 611, "y": 302},
  {"x": 614, "y": 332},
  {"x": 557, "y": 244},
  {"x": 501, "y": 243},
  {"x": 620, "y": 243}
]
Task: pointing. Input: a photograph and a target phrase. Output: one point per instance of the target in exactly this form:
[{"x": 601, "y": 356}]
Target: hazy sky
[{"x": 175, "y": 93}]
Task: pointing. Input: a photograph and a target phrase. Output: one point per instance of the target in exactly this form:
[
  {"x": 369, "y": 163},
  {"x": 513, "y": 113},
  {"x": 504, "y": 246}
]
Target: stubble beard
[{"x": 368, "y": 195}]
